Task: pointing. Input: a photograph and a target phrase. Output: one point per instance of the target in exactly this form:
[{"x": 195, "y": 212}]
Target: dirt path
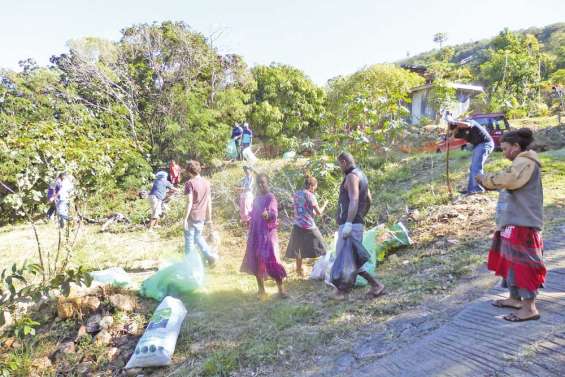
[{"x": 467, "y": 340}]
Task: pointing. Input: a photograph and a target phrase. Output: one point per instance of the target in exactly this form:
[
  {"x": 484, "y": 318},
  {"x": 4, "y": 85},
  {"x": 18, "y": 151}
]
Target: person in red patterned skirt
[{"x": 517, "y": 248}]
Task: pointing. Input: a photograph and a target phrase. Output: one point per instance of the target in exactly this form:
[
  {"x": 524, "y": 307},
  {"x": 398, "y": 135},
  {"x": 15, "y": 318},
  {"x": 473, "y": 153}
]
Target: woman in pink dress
[{"x": 261, "y": 255}]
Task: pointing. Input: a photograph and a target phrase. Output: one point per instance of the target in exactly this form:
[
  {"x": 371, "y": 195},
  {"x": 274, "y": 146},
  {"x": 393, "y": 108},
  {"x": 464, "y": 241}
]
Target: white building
[{"x": 421, "y": 108}]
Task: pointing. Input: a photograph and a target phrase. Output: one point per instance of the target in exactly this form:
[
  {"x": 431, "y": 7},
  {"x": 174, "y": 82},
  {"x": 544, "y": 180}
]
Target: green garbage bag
[
  {"x": 231, "y": 149},
  {"x": 176, "y": 280},
  {"x": 380, "y": 240}
]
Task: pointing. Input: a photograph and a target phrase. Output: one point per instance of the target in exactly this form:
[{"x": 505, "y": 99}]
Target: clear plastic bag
[
  {"x": 157, "y": 345},
  {"x": 249, "y": 156},
  {"x": 116, "y": 276},
  {"x": 178, "y": 279},
  {"x": 347, "y": 264}
]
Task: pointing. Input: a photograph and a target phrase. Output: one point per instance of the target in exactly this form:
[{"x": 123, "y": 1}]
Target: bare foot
[
  {"x": 300, "y": 273},
  {"x": 340, "y": 296},
  {"x": 508, "y": 303},
  {"x": 262, "y": 295},
  {"x": 375, "y": 292}
]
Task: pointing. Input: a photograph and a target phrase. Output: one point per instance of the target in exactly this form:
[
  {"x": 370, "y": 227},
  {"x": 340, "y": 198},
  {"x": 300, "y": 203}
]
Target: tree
[
  {"x": 513, "y": 73},
  {"x": 440, "y": 38},
  {"x": 286, "y": 104},
  {"x": 369, "y": 105}
]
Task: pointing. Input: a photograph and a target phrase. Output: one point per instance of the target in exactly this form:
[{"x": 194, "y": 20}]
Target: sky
[{"x": 324, "y": 38}]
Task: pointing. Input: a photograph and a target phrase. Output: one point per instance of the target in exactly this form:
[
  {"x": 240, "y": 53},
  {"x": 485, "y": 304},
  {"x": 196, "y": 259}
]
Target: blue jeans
[
  {"x": 480, "y": 155},
  {"x": 193, "y": 235}
]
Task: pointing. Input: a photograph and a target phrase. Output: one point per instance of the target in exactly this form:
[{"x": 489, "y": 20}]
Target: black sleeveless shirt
[{"x": 343, "y": 202}]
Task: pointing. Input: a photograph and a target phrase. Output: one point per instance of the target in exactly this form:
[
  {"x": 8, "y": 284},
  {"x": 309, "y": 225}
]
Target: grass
[{"x": 229, "y": 332}]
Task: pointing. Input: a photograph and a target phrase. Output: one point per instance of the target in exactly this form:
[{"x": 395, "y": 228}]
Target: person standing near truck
[{"x": 483, "y": 145}]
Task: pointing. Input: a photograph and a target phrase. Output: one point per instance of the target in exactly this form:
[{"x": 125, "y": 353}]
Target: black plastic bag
[{"x": 349, "y": 260}]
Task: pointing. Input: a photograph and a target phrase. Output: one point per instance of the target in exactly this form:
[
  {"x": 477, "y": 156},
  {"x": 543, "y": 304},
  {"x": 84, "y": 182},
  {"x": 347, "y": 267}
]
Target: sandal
[
  {"x": 514, "y": 318},
  {"x": 499, "y": 304}
]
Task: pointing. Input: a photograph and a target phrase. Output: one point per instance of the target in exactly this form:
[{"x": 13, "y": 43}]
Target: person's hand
[
  {"x": 265, "y": 215},
  {"x": 346, "y": 231}
]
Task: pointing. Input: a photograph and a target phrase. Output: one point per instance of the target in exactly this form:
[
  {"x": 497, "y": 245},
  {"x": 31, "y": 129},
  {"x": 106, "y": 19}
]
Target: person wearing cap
[
  {"x": 246, "y": 137},
  {"x": 157, "y": 195}
]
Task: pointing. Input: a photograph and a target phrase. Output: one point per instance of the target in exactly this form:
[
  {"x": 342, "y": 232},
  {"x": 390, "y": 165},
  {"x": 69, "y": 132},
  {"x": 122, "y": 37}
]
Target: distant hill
[{"x": 552, "y": 37}]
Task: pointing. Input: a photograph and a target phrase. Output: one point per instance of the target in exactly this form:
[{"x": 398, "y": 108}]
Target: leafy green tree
[
  {"x": 370, "y": 105},
  {"x": 286, "y": 104}
]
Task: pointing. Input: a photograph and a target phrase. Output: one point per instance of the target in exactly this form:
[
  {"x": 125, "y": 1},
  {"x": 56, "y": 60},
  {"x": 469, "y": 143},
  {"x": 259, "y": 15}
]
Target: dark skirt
[{"x": 305, "y": 243}]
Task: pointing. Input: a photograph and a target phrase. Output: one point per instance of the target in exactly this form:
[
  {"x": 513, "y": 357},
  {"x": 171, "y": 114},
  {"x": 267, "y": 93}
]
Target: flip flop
[
  {"x": 499, "y": 304},
  {"x": 514, "y": 318}
]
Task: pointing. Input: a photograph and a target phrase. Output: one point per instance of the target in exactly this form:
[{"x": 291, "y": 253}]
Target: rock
[
  {"x": 81, "y": 332},
  {"x": 452, "y": 242},
  {"x": 67, "y": 347},
  {"x": 123, "y": 302},
  {"x": 113, "y": 353},
  {"x": 103, "y": 338},
  {"x": 93, "y": 323},
  {"x": 84, "y": 368},
  {"x": 106, "y": 322},
  {"x": 25, "y": 306},
  {"x": 132, "y": 328},
  {"x": 65, "y": 309},
  {"x": 41, "y": 363},
  {"x": 134, "y": 372},
  {"x": 6, "y": 320},
  {"x": 9, "y": 342},
  {"x": 90, "y": 304},
  {"x": 122, "y": 340}
]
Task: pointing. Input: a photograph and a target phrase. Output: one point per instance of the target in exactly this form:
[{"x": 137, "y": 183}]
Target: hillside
[{"x": 552, "y": 37}]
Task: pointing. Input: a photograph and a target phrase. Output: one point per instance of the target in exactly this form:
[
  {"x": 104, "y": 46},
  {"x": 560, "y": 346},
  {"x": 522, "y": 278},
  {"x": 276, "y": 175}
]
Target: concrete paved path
[{"x": 478, "y": 342}]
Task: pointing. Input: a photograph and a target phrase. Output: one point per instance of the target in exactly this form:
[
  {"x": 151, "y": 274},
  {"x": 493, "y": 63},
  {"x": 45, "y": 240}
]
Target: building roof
[{"x": 456, "y": 85}]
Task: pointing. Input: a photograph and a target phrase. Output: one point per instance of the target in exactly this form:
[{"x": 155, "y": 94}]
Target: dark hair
[
  {"x": 310, "y": 181},
  {"x": 523, "y": 137},
  {"x": 262, "y": 175},
  {"x": 193, "y": 167},
  {"x": 347, "y": 157}
]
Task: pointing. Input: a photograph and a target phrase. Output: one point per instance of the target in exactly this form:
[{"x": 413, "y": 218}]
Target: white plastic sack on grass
[
  {"x": 320, "y": 267},
  {"x": 115, "y": 276},
  {"x": 249, "y": 156},
  {"x": 157, "y": 345}
]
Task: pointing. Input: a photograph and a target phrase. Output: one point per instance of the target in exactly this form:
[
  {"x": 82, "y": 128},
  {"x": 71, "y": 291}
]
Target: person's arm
[
  {"x": 352, "y": 184},
  {"x": 170, "y": 186},
  {"x": 511, "y": 178},
  {"x": 188, "y": 207},
  {"x": 209, "y": 209}
]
